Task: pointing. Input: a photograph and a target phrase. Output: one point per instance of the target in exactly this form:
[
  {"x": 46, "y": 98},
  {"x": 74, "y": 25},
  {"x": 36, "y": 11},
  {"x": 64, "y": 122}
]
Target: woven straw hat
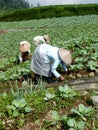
[
  {"x": 47, "y": 39},
  {"x": 24, "y": 46},
  {"x": 65, "y": 55}
]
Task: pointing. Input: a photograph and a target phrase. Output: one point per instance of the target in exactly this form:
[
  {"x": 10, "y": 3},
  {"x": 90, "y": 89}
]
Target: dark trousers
[{"x": 44, "y": 78}]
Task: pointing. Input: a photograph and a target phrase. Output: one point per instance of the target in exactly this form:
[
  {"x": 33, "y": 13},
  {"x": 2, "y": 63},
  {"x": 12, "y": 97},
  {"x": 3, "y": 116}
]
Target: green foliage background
[{"x": 50, "y": 11}]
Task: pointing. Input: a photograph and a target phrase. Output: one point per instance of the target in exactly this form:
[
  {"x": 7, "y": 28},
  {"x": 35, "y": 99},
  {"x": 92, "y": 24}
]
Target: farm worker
[
  {"x": 46, "y": 59},
  {"x": 41, "y": 39},
  {"x": 24, "y": 48}
]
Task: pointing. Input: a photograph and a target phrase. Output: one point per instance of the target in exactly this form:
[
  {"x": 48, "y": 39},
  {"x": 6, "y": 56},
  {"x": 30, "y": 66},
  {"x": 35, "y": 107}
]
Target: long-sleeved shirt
[{"x": 50, "y": 55}]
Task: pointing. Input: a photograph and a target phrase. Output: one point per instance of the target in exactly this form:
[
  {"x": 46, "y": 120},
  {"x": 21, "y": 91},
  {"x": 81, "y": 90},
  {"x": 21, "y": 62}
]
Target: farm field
[{"x": 77, "y": 33}]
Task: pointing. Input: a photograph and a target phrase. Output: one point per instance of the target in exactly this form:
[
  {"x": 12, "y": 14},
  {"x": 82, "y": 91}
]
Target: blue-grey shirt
[{"x": 50, "y": 55}]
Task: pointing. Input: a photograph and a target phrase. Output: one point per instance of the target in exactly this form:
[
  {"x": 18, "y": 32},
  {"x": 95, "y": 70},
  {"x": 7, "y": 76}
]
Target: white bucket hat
[
  {"x": 24, "y": 46},
  {"x": 65, "y": 55}
]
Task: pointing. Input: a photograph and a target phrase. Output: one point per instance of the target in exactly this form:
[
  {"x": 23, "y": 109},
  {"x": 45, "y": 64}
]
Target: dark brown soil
[{"x": 2, "y": 31}]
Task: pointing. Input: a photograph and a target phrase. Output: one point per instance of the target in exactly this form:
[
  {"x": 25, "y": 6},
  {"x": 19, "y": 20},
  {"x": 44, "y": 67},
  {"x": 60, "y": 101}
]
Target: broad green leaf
[
  {"x": 19, "y": 103},
  {"x": 28, "y": 109},
  {"x": 81, "y": 125},
  {"x": 49, "y": 96},
  {"x": 82, "y": 108},
  {"x": 71, "y": 122},
  {"x": 64, "y": 118},
  {"x": 78, "y": 113},
  {"x": 15, "y": 113},
  {"x": 55, "y": 115},
  {"x": 11, "y": 107},
  {"x": 61, "y": 88}
]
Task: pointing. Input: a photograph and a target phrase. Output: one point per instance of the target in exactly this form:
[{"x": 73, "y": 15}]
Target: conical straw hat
[
  {"x": 65, "y": 55},
  {"x": 24, "y": 46}
]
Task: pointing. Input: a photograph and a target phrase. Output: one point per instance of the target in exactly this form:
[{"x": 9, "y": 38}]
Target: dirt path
[{"x": 79, "y": 84}]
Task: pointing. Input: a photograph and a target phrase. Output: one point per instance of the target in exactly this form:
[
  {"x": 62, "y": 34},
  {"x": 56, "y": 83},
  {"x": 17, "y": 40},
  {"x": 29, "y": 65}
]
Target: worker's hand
[{"x": 61, "y": 78}]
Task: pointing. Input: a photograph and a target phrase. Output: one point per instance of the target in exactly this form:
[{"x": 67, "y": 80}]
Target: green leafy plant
[
  {"x": 55, "y": 120},
  {"x": 63, "y": 121},
  {"x": 66, "y": 92},
  {"x": 92, "y": 64},
  {"x": 15, "y": 72},
  {"x": 69, "y": 122},
  {"x": 83, "y": 111},
  {"x": 74, "y": 125},
  {"x": 18, "y": 106},
  {"x": 49, "y": 96}
]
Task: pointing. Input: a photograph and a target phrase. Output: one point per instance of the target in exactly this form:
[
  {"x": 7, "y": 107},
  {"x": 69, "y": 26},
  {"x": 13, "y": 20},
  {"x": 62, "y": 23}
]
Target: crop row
[{"x": 78, "y": 33}]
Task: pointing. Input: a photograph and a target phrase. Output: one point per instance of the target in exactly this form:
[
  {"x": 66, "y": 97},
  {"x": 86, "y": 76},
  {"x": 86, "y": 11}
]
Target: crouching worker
[
  {"x": 46, "y": 59},
  {"x": 24, "y": 48},
  {"x": 41, "y": 39}
]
